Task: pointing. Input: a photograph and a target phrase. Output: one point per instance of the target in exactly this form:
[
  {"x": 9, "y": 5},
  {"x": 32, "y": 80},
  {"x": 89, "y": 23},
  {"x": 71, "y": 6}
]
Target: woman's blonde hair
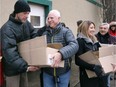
[{"x": 83, "y": 28}]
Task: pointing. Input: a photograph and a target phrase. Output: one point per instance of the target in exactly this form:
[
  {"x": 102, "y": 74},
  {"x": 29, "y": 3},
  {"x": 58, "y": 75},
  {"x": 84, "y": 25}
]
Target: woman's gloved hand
[{"x": 98, "y": 70}]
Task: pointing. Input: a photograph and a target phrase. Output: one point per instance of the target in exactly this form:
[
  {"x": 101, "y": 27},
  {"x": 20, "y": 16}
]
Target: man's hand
[
  {"x": 56, "y": 59},
  {"x": 32, "y": 68}
]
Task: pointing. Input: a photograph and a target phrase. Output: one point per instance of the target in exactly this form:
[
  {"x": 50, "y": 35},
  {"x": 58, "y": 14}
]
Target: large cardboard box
[
  {"x": 104, "y": 57},
  {"x": 36, "y": 52},
  {"x": 108, "y": 57}
]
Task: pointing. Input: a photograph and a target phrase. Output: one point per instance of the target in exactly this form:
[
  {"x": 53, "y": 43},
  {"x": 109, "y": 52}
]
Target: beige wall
[
  {"x": 6, "y": 8},
  {"x": 73, "y": 10},
  {"x": 0, "y": 11}
]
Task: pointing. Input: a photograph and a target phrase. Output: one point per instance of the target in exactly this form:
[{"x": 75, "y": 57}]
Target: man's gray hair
[
  {"x": 56, "y": 12},
  {"x": 105, "y": 24}
]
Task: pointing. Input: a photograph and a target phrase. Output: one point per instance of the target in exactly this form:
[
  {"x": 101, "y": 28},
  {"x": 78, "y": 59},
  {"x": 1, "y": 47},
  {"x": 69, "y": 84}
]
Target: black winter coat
[
  {"x": 106, "y": 39},
  {"x": 86, "y": 45},
  {"x": 12, "y": 33},
  {"x": 103, "y": 38}
]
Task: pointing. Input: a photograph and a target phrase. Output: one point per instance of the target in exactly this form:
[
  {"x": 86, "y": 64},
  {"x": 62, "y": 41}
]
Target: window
[{"x": 35, "y": 21}]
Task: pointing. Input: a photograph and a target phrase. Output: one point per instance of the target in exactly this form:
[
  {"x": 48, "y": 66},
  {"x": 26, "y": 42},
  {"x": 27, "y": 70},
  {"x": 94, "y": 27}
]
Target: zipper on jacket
[{"x": 55, "y": 76}]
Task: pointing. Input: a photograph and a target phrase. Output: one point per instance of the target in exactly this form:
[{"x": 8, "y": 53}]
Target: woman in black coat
[{"x": 87, "y": 41}]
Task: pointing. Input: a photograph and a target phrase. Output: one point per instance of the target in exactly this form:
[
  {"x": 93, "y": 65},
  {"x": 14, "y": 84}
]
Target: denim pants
[
  {"x": 60, "y": 81},
  {"x": 106, "y": 80}
]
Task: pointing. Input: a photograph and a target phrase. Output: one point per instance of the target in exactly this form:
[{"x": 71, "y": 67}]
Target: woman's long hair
[{"x": 83, "y": 28}]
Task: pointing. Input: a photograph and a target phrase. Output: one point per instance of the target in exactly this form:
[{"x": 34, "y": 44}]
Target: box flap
[
  {"x": 33, "y": 43},
  {"x": 106, "y": 45},
  {"x": 55, "y": 45},
  {"x": 91, "y": 74},
  {"x": 106, "y": 51},
  {"x": 90, "y": 57},
  {"x": 107, "y": 61}
]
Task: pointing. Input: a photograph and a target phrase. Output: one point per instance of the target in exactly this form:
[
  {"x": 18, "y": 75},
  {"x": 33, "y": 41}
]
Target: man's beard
[{"x": 21, "y": 20}]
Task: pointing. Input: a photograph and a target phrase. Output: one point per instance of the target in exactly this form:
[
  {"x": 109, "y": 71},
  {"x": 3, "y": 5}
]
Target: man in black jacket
[
  {"x": 14, "y": 31},
  {"x": 103, "y": 36}
]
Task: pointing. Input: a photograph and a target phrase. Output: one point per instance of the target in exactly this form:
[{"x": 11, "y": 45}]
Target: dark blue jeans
[
  {"x": 62, "y": 80},
  {"x": 106, "y": 80}
]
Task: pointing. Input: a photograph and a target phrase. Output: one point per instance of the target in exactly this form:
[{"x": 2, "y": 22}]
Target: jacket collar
[
  {"x": 55, "y": 30},
  {"x": 88, "y": 40},
  {"x": 12, "y": 18},
  {"x": 106, "y": 35}
]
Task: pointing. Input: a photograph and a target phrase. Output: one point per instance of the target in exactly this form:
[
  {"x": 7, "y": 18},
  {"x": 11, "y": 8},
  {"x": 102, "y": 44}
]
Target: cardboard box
[
  {"x": 104, "y": 57},
  {"x": 36, "y": 52},
  {"x": 108, "y": 57}
]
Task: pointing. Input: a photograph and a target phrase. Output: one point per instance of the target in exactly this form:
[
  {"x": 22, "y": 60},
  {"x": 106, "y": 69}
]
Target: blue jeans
[
  {"x": 62, "y": 80},
  {"x": 106, "y": 80}
]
